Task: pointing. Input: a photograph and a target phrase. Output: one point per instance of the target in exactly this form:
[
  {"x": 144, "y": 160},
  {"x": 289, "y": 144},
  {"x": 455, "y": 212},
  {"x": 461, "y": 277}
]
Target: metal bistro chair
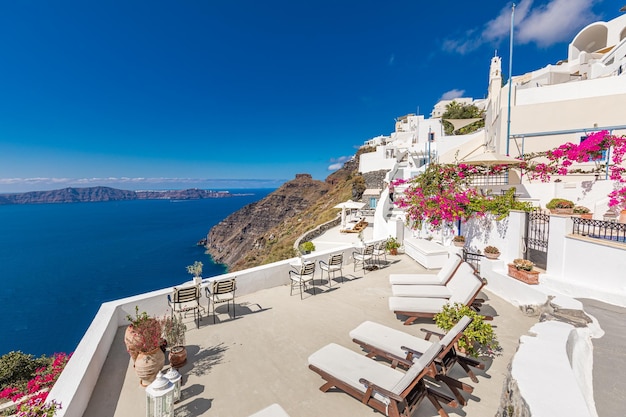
[
  {"x": 334, "y": 264},
  {"x": 380, "y": 251},
  {"x": 302, "y": 277},
  {"x": 363, "y": 257},
  {"x": 184, "y": 300},
  {"x": 221, "y": 291}
]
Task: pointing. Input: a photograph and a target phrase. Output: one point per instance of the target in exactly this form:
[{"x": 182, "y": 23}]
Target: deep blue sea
[{"x": 59, "y": 262}]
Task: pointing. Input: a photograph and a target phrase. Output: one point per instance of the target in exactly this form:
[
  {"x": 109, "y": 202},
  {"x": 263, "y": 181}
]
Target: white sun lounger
[
  {"x": 464, "y": 288},
  {"x": 388, "y": 390},
  {"x": 401, "y": 348},
  {"x": 440, "y": 278},
  {"x": 461, "y": 275}
]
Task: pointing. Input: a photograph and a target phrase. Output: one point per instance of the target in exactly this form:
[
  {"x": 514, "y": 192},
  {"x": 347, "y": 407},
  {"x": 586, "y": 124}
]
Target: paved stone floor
[{"x": 609, "y": 358}]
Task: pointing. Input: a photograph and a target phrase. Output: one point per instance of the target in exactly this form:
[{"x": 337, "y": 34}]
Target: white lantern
[
  {"x": 160, "y": 398},
  {"x": 175, "y": 378}
]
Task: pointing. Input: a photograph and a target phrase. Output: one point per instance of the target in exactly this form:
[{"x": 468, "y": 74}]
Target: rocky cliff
[
  {"x": 265, "y": 231},
  {"x": 248, "y": 228}
]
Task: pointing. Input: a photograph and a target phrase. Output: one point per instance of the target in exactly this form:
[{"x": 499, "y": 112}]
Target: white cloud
[
  {"x": 337, "y": 163},
  {"x": 544, "y": 25},
  {"x": 555, "y": 22},
  {"x": 452, "y": 94}
]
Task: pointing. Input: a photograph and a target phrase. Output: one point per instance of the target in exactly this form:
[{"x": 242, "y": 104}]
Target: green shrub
[
  {"x": 559, "y": 203},
  {"x": 479, "y": 337},
  {"x": 17, "y": 368}
]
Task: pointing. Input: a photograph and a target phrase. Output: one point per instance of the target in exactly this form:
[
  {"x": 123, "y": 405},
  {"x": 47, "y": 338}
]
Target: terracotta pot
[
  {"x": 562, "y": 211},
  {"x": 148, "y": 365},
  {"x": 586, "y": 216},
  {"x": 178, "y": 356},
  {"x": 528, "y": 277},
  {"x": 131, "y": 339},
  {"x": 459, "y": 244},
  {"x": 622, "y": 216},
  {"x": 492, "y": 255},
  {"x": 393, "y": 251}
]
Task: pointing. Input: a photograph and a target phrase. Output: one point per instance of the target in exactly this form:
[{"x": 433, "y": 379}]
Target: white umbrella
[
  {"x": 348, "y": 205},
  {"x": 489, "y": 158}
]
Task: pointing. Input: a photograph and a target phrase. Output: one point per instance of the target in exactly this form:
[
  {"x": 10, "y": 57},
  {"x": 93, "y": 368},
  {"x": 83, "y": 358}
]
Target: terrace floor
[{"x": 237, "y": 367}]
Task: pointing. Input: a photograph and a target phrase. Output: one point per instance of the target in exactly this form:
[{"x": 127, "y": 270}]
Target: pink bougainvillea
[
  {"x": 36, "y": 393},
  {"x": 562, "y": 158}
]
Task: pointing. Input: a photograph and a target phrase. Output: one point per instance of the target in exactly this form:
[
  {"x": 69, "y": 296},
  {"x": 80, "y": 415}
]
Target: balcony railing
[{"x": 600, "y": 229}]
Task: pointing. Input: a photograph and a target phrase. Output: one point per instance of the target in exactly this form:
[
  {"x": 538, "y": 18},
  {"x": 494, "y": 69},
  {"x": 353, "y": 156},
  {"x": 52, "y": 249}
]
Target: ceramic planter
[
  {"x": 528, "y": 277},
  {"x": 178, "y": 356},
  {"x": 148, "y": 365},
  {"x": 492, "y": 255}
]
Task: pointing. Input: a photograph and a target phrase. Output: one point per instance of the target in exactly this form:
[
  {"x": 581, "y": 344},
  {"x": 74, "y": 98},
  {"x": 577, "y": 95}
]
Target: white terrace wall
[
  {"x": 75, "y": 385},
  {"x": 577, "y": 266}
]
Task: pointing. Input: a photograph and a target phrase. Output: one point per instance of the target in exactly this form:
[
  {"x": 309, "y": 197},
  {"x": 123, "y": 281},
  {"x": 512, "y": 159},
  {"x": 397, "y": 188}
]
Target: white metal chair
[
  {"x": 364, "y": 256},
  {"x": 184, "y": 300},
  {"x": 222, "y": 291},
  {"x": 302, "y": 277},
  {"x": 334, "y": 264},
  {"x": 380, "y": 251}
]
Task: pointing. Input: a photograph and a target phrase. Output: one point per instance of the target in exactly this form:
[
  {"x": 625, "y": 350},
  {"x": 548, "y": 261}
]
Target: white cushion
[
  {"x": 417, "y": 305},
  {"x": 429, "y": 279},
  {"x": 463, "y": 285},
  {"x": 349, "y": 366},
  {"x": 415, "y": 279},
  {"x": 418, "y": 366},
  {"x": 388, "y": 339},
  {"x": 427, "y": 291}
]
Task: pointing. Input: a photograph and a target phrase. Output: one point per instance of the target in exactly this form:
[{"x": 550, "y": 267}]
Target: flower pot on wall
[
  {"x": 564, "y": 211},
  {"x": 528, "y": 277},
  {"x": 492, "y": 255}
]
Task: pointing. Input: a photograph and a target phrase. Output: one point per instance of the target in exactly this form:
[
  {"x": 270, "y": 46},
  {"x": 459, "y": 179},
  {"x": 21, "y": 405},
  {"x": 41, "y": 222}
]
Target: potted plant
[
  {"x": 307, "y": 247},
  {"x": 458, "y": 240},
  {"x": 523, "y": 270},
  {"x": 174, "y": 333},
  {"x": 491, "y": 252},
  {"x": 392, "y": 245},
  {"x": 196, "y": 271},
  {"x": 478, "y": 339},
  {"x": 560, "y": 206},
  {"x": 583, "y": 211},
  {"x": 143, "y": 340}
]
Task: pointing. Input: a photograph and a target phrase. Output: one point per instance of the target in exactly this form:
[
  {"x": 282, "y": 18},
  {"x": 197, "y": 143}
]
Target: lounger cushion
[
  {"x": 463, "y": 285},
  {"x": 459, "y": 327},
  {"x": 429, "y": 279},
  {"x": 427, "y": 291},
  {"x": 417, "y": 367},
  {"x": 349, "y": 366},
  {"x": 415, "y": 279},
  {"x": 420, "y": 305},
  {"x": 388, "y": 339},
  {"x": 273, "y": 410}
]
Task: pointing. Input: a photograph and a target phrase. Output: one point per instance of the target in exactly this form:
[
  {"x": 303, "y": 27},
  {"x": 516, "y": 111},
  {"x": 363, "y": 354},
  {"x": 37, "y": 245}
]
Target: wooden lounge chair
[
  {"x": 441, "y": 278},
  {"x": 387, "y": 390},
  {"x": 401, "y": 349},
  {"x": 464, "y": 289}
]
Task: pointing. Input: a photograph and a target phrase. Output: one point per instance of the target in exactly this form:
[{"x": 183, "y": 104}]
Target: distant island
[{"x": 96, "y": 194}]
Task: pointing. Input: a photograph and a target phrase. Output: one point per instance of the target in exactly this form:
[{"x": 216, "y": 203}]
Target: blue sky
[{"x": 163, "y": 94}]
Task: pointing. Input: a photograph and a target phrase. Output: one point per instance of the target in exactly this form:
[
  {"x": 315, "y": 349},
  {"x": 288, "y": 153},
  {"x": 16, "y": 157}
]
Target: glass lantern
[
  {"x": 160, "y": 398},
  {"x": 175, "y": 378}
]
